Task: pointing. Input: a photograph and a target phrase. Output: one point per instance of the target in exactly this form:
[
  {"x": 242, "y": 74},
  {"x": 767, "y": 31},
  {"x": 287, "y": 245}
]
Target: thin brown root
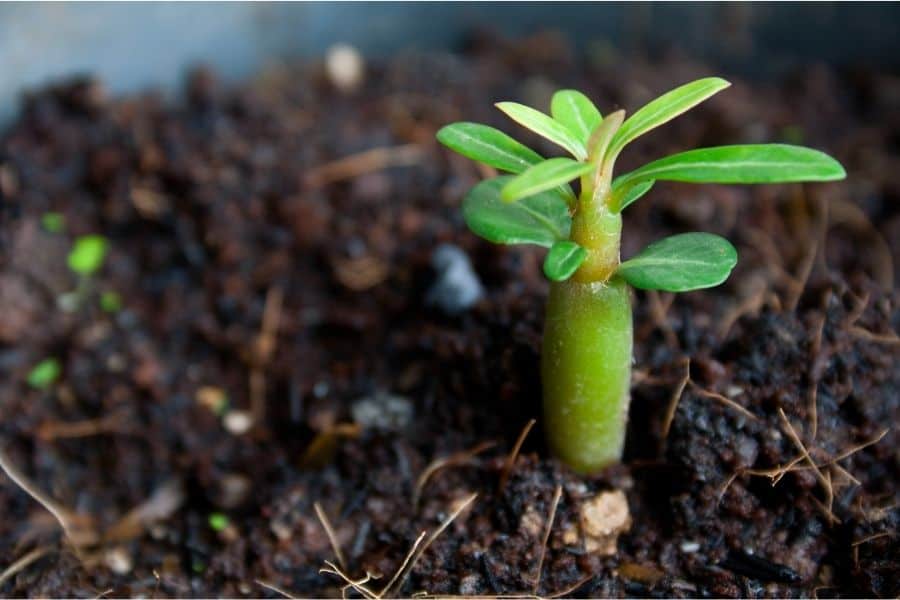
[
  {"x": 430, "y": 540},
  {"x": 724, "y": 400},
  {"x": 406, "y": 561},
  {"x": 263, "y": 350},
  {"x": 851, "y": 215},
  {"x": 871, "y": 538},
  {"x": 855, "y": 449},
  {"x": 23, "y": 562},
  {"x": 798, "y": 284},
  {"x": 273, "y": 588},
  {"x": 104, "y": 593},
  {"x": 53, "y": 430},
  {"x": 79, "y": 529},
  {"x": 554, "y": 504},
  {"x": 369, "y": 161},
  {"x": 332, "y": 538},
  {"x": 572, "y": 587},
  {"x": 358, "y": 585},
  {"x": 659, "y": 309},
  {"x": 823, "y": 480},
  {"x": 812, "y": 401},
  {"x": 458, "y": 459},
  {"x": 727, "y": 485},
  {"x": 676, "y": 398},
  {"x": 514, "y": 454},
  {"x": 859, "y": 307},
  {"x": 879, "y": 338},
  {"x": 748, "y": 306}
]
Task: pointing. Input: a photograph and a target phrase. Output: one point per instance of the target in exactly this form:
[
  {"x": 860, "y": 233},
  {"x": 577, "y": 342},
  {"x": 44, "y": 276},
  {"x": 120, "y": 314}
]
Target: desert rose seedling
[
  {"x": 85, "y": 258},
  {"x": 587, "y": 347}
]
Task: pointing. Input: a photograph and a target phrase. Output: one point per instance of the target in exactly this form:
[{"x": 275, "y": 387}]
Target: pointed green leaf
[
  {"x": 544, "y": 126},
  {"x": 750, "y": 163},
  {"x": 563, "y": 260},
  {"x": 489, "y": 146},
  {"x": 541, "y": 219},
  {"x": 575, "y": 110},
  {"x": 543, "y": 176},
  {"x": 633, "y": 193},
  {"x": 664, "y": 109},
  {"x": 681, "y": 263}
]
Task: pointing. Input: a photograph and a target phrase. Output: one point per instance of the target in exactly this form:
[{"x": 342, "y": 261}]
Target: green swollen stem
[{"x": 587, "y": 348}]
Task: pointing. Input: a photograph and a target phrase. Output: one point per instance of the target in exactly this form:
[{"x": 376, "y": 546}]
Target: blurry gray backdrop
[{"x": 138, "y": 45}]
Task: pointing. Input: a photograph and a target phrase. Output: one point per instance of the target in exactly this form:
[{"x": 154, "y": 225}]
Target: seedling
[
  {"x": 587, "y": 347},
  {"x": 43, "y": 374},
  {"x": 85, "y": 258},
  {"x": 110, "y": 301},
  {"x": 53, "y": 222}
]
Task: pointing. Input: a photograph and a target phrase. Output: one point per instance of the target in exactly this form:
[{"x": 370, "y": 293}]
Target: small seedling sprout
[
  {"x": 53, "y": 222},
  {"x": 44, "y": 374},
  {"x": 218, "y": 521},
  {"x": 110, "y": 301},
  {"x": 587, "y": 347},
  {"x": 87, "y": 254}
]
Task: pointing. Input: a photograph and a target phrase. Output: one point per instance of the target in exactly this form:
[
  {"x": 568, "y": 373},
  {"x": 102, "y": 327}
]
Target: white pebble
[
  {"x": 237, "y": 422},
  {"x": 345, "y": 67},
  {"x": 689, "y": 547}
]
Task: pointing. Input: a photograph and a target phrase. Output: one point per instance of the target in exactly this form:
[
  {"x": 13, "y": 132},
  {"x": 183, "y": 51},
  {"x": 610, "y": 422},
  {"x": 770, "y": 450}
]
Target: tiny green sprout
[
  {"x": 43, "y": 374},
  {"x": 87, "y": 254},
  {"x": 110, "y": 301},
  {"x": 53, "y": 222},
  {"x": 587, "y": 347},
  {"x": 218, "y": 521}
]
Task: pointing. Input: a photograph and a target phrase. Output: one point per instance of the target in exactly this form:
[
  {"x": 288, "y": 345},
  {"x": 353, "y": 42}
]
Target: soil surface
[{"x": 275, "y": 353}]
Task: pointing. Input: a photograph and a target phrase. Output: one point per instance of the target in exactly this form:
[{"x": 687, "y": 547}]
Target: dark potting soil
[{"x": 258, "y": 276}]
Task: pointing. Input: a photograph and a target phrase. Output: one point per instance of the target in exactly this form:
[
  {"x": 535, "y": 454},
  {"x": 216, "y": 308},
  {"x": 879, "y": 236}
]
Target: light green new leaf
[
  {"x": 632, "y": 193},
  {"x": 43, "y": 374},
  {"x": 542, "y": 219},
  {"x": 681, "y": 263},
  {"x": 750, "y": 163},
  {"x": 575, "y": 110},
  {"x": 563, "y": 260},
  {"x": 547, "y": 175},
  {"x": 664, "y": 109},
  {"x": 544, "y": 126},
  {"x": 489, "y": 146},
  {"x": 87, "y": 254}
]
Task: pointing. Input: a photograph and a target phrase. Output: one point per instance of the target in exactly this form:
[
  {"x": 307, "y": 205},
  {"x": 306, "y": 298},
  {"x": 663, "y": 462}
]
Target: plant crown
[{"x": 536, "y": 205}]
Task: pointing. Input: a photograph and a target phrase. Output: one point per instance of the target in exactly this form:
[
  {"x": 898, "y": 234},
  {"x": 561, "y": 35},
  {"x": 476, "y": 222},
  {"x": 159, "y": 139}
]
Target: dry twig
[
  {"x": 332, "y": 538},
  {"x": 557, "y": 493},
  {"x": 676, "y": 398},
  {"x": 460, "y": 458},
  {"x": 368, "y": 161}
]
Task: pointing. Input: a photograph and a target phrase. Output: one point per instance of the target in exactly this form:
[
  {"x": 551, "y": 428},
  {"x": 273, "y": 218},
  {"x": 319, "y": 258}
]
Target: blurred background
[{"x": 135, "y": 45}]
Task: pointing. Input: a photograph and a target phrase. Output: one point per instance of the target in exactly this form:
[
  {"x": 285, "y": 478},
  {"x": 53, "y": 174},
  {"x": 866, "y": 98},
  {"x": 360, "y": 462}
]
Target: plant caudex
[{"x": 587, "y": 346}]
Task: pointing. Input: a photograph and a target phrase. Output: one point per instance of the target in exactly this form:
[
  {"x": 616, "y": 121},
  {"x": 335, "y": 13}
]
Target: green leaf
[
  {"x": 750, "y": 163},
  {"x": 634, "y": 193},
  {"x": 53, "y": 222},
  {"x": 664, "y": 109},
  {"x": 575, "y": 110},
  {"x": 87, "y": 254},
  {"x": 563, "y": 260},
  {"x": 489, "y": 146},
  {"x": 110, "y": 301},
  {"x": 544, "y": 126},
  {"x": 543, "y": 176},
  {"x": 44, "y": 374},
  {"x": 541, "y": 219},
  {"x": 681, "y": 263}
]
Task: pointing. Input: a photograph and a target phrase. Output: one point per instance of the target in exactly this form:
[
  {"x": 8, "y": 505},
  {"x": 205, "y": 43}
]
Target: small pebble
[
  {"x": 457, "y": 287},
  {"x": 689, "y": 547},
  {"x": 237, "y": 422},
  {"x": 118, "y": 560},
  {"x": 383, "y": 411},
  {"x": 603, "y": 518},
  {"x": 345, "y": 67}
]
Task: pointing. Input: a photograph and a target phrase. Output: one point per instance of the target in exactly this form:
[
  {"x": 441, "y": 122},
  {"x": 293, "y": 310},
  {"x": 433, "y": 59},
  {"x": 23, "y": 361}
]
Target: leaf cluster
[{"x": 534, "y": 203}]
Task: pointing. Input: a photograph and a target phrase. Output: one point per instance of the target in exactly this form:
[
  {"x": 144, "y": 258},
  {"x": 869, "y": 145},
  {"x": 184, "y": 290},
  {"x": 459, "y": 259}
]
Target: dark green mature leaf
[
  {"x": 489, "y": 146},
  {"x": 681, "y": 263},
  {"x": 749, "y": 163},
  {"x": 634, "y": 193},
  {"x": 544, "y": 126},
  {"x": 664, "y": 109},
  {"x": 542, "y": 219},
  {"x": 546, "y": 175},
  {"x": 576, "y": 111},
  {"x": 563, "y": 260}
]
